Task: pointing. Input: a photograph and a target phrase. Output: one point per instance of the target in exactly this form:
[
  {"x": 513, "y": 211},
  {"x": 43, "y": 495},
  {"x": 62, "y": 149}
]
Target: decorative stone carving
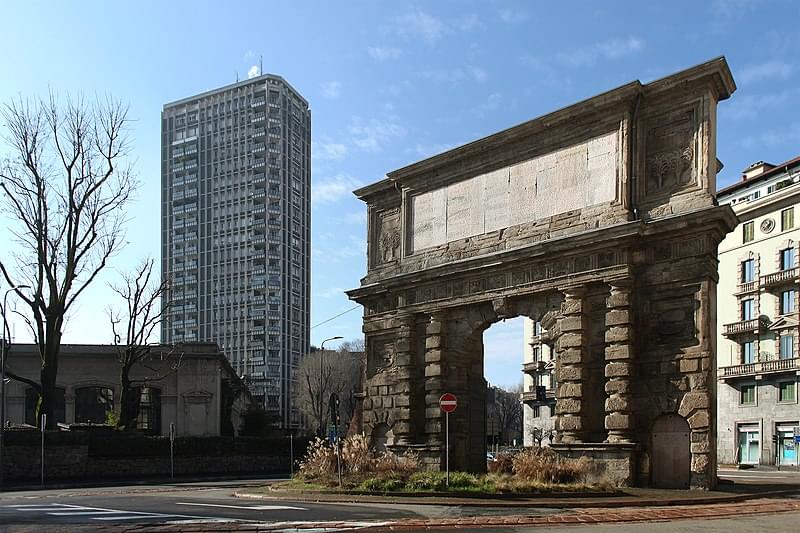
[
  {"x": 388, "y": 236},
  {"x": 670, "y": 153},
  {"x": 381, "y": 356}
]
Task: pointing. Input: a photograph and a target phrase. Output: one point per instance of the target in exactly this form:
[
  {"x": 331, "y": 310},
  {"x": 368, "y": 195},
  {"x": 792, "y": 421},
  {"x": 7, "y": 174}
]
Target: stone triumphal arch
[{"x": 600, "y": 221}]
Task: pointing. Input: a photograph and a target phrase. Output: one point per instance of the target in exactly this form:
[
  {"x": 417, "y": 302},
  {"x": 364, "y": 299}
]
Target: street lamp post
[
  {"x": 4, "y": 353},
  {"x": 321, "y": 399}
]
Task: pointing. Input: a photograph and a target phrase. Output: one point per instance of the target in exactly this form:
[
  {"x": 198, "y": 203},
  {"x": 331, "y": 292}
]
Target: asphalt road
[
  {"x": 214, "y": 503},
  {"x": 197, "y": 504}
]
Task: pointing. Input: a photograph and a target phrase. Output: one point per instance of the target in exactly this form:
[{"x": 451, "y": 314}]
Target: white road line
[
  {"x": 79, "y": 513},
  {"x": 249, "y": 507},
  {"x": 133, "y": 517}
]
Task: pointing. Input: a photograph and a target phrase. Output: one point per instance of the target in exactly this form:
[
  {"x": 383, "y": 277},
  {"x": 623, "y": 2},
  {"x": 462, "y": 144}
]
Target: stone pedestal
[{"x": 613, "y": 463}]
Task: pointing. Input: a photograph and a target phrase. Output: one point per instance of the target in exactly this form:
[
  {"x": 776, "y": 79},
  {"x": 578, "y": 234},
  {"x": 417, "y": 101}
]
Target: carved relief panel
[
  {"x": 671, "y": 153},
  {"x": 386, "y": 238},
  {"x": 380, "y": 355}
]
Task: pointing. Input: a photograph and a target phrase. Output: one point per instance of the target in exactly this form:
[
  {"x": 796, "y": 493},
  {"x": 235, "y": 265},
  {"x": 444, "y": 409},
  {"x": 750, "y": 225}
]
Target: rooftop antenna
[
  {"x": 260, "y": 65},
  {"x": 237, "y": 76}
]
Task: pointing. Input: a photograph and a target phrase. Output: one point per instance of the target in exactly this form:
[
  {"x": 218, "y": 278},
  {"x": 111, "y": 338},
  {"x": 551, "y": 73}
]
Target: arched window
[
  {"x": 92, "y": 404},
  {"x": 149, "y": 419},
  {"x": 31, "y": 397}
]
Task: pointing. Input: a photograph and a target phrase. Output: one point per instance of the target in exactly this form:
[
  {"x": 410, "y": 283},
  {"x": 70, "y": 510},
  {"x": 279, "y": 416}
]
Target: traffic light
[{"x": 333, "y": 406}]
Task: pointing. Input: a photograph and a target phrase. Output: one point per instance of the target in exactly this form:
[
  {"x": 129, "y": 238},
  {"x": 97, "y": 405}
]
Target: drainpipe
[{"x": 631, "y": 163}]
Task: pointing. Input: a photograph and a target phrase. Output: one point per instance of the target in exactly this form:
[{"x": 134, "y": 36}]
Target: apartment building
[
  {"x": 758, "y": 320},
  {"x": 538, "y": 385},
  {"x": 236, "y": 230}
]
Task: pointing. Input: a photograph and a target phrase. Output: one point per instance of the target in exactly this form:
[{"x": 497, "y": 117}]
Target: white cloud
[
  {"x": 253, "y": 72},
  {"x": 422, "y": 25},
  {"x": 786, "y": 136},
  {"x": 331, "y": 292},
  {"x": 333, "y": 189},
  {"x": 468, "y": 22},
  {"x": 512, "y": 16},
  {"x": 769, "y": 71},
  {"x": 359, "y": 217},
  {"x": 611, "y": 49},
  {"x": 332, "y": 89},
  {"x": 384, "y": 53},
  {"x": 328, "y": 150},
  {"x": 427, "y": 150},
  {"x": 455, "y": 76},
  {"x": 373, "y": 134},
  {"x": 491, "y": 104}
]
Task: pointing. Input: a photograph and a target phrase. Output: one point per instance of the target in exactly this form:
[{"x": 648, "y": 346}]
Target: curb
[{"x": 581, "y": 502}]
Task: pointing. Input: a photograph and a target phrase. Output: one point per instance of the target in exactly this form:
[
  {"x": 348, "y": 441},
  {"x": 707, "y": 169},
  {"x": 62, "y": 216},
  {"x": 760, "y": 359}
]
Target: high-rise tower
[{"x": 236, "y": 229}]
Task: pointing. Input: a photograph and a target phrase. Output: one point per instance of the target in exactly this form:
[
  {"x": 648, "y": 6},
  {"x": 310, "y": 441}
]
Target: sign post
[
  {"x": 448, "y": 404},
  {"x": 43, "y": 425},
  {"x": 172, "y": 450}
]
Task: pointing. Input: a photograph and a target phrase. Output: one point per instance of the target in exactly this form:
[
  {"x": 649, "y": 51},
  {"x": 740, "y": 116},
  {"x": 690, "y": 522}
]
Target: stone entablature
[{"x": 625, "y": 276}]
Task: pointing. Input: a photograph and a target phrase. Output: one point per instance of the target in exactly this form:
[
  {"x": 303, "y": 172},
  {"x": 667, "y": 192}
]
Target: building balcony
[
  {"x": 759, "y": 368},
  {"x": 745, "y": 327},
  {"x": 258, "y": 163},
  {"x": 259, "y": 132},
  {"x": 539, "y": 395},
  {"x": 260, "y": 117},
  {"x": 258, "y": 102},
  {"x": 534, "y": 367},
  {"x": 780, "y": 278},
  {"x": 748, "y": 287}
]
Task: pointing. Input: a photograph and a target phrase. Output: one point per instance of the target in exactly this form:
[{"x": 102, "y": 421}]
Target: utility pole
[
  {"x": 4, "y": 354},
  {"x": 319, "y": 392}
]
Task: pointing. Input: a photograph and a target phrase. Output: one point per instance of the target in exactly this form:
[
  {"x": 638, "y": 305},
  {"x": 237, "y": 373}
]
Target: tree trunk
[
  {"x": 52, "y": 345},
  {"x": 128, "y": 402}
]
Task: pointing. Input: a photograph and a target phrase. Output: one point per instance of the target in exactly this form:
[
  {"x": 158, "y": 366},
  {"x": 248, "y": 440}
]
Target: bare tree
[
  {"x": 65, "y": 187},
  {"x": 507, "y": 410},
  {"x": 320, "y": 374},
  {"x": 539, "y": 434},
  {"x": 142, "y": 294}
]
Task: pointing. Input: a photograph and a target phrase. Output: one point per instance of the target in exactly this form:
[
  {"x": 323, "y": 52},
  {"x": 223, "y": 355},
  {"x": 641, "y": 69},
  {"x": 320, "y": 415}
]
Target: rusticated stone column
[
  {"x": 619, "y": 362},
  {"x": 403, "y": 394},
  {"x": 435, "y": 372},
  {"x": 571, "y": 351}
]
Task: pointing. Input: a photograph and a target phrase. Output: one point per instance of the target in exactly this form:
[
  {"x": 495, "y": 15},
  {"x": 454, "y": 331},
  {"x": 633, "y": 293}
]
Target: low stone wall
[
  {"x": 142, "y": 457},
  {"x": 613, "y": 463}
]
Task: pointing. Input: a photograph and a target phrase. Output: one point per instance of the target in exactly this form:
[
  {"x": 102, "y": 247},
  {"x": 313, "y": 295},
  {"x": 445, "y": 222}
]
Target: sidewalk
[{"x": 627, "y": 497}]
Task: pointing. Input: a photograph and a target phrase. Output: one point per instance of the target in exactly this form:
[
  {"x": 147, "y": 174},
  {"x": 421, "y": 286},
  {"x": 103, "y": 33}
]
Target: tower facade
[{"x": 236, "y": 230}]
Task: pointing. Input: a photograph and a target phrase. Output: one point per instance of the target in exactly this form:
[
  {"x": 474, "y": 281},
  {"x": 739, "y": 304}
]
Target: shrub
[
  {"x": 502, "y": 464},
  {"x": 391, "y": 465},
  {"x": 546, "y": 466},
  {"x": 427, "y": 480},
  {"x": 356, "y": 456},
  {"x": 381, "y": 485},
  {"x": 319, "y": 462}
]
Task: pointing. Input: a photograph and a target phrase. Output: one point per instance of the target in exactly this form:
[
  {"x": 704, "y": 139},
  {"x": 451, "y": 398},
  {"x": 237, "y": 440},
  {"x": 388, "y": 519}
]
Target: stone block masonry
[{"x": 620, "y": 270}]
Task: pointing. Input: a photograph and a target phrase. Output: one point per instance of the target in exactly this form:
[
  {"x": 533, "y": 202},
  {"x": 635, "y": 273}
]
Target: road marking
[
  {"x": 249, "y": 507},
  {"x": 95, "y": 513}
]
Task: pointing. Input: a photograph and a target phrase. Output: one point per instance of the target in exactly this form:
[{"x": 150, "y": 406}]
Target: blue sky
[{"x": 390, "y": 83}]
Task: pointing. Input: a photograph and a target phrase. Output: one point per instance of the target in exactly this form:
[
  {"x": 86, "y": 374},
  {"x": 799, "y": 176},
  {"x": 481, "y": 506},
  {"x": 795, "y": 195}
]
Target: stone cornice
[{"x": 720, "y": 219}]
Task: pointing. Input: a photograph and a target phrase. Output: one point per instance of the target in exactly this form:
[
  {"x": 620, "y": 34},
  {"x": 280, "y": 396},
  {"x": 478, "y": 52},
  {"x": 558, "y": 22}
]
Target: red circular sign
[{"x": 448, "y": 402}]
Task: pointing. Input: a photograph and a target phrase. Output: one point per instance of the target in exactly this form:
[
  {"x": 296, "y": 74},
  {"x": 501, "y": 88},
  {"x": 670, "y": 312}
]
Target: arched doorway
[{"x": 671, "y": 452}]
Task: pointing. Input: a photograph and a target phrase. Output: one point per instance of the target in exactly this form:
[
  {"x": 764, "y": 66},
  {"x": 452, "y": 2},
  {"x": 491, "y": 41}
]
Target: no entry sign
[{"x": 448, "y": 402}]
